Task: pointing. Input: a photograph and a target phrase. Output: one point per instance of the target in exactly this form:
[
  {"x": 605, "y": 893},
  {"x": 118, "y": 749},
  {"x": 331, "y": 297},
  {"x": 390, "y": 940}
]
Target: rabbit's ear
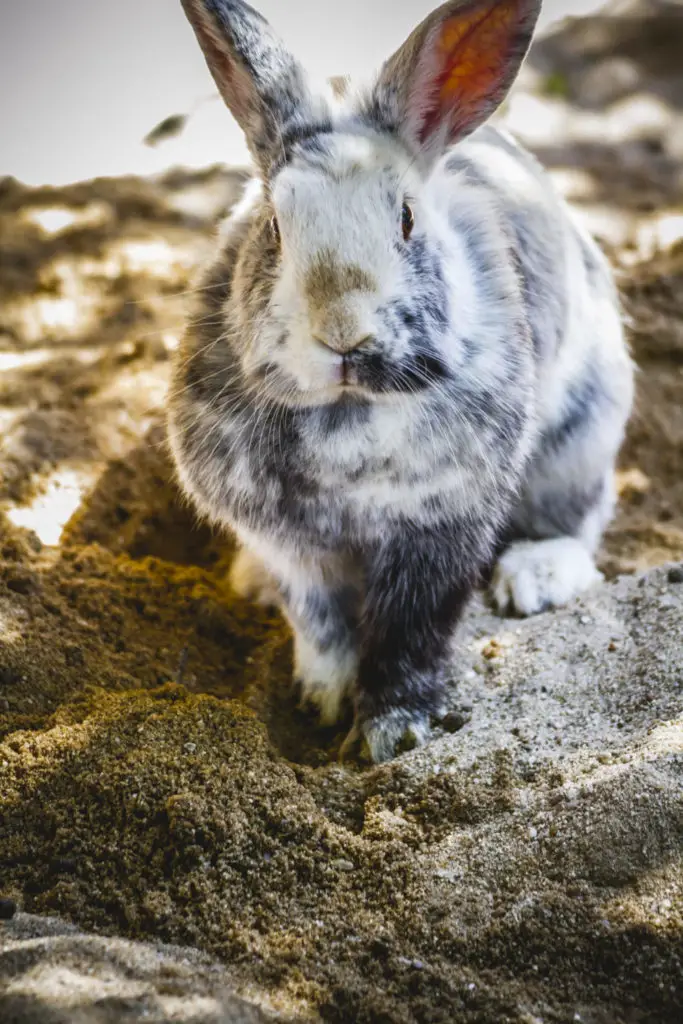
[
  {"x": 453, "y": 71},
  {"x": 261, "y": 82}
]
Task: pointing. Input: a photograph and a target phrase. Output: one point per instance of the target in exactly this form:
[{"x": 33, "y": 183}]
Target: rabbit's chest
[
  {"x": 353, "y": 486},
  {"x": 370, "y": 489},
  {"x": 382, "y": 470},
  {"x": 376, "y": 459}
]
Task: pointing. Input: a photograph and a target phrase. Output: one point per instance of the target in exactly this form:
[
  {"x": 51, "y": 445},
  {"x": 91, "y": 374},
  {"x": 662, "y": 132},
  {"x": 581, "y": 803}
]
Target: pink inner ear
[
  {"x": 225, "y": 73},
  {"x": 467, "y": 67}
]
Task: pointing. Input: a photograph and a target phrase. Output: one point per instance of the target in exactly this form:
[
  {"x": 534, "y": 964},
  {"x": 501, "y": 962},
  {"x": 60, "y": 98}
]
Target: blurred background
[{"x": 82, "y": 83}]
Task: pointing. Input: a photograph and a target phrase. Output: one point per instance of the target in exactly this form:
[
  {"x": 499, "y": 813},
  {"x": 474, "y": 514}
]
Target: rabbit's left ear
[{"x": 453, "y": 71}]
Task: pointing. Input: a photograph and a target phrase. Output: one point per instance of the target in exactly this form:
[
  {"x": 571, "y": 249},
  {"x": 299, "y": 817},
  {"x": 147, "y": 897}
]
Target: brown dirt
[
  {"x": 157, "y": 779},
  {"x": 648, "y": 529}
]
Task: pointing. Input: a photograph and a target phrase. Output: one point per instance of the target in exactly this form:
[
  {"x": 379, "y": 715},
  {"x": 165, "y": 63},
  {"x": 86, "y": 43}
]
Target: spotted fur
[{"x": 375, "y": 417}]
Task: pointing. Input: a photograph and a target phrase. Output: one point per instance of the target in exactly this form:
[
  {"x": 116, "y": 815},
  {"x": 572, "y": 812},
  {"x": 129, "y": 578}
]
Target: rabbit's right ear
[{"x": 263, "y": 85}]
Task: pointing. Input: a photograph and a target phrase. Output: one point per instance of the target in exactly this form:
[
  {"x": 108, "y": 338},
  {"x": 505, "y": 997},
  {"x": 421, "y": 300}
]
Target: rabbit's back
[
  {"x": 584, "y": 374},
  {"x": 570, "y": 298},
  {"x": 560, "y": 265}
]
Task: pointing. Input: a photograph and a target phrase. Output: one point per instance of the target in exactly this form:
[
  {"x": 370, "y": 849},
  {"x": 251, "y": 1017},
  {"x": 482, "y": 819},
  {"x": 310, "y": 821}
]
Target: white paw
[
  {"x": 533, "y": 576},
  {"x": 251, "y": 581},
  {"x": 325, "y": 677},
  {"x": 387, "y": 736}
]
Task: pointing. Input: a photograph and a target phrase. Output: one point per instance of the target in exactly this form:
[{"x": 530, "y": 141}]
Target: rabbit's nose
[{"x": 342, "y": 345}]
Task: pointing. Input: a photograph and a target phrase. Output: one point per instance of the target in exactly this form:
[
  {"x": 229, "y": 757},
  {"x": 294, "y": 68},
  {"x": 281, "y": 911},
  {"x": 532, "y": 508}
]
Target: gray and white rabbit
[{"x": 405, "y": 360}]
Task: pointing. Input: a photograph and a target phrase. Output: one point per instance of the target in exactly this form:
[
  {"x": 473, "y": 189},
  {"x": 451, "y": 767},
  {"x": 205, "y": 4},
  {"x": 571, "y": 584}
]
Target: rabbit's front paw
[
  {"x": 324, "y": 678},
  {"x": 250, "y": 580},
  {"x": 533, "y": 576},
  {"x": 385, "y": 736}
]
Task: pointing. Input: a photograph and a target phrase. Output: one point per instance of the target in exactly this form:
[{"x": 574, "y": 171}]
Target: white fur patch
[
  {"x": 533, "y": 576},
  {"x": 326, "y": 677},
  {"x": 251, "y": 581}
]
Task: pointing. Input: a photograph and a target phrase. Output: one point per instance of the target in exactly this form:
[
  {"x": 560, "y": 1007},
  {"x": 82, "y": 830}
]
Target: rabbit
[{"x": 405, "y": 364}]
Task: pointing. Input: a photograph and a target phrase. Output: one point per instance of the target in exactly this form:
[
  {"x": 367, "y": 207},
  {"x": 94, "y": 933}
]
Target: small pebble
[
  {"x": 8, "y": 909},
  {"x": 675, "y": 575},
  {"x": 454, "y": 721},
  {"x": 492, "y": 650},
  {"x": 417, "y": 964},
  {"x": 343, "y": 865}
]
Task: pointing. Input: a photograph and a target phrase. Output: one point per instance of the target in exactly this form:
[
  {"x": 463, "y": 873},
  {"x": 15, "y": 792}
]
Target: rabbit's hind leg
[
  {"x": 568, "y": 496},
  {"x": 534, "y": 576},
  {"x": 540, "y": 571},
  {"x": 567, "y": 501}
]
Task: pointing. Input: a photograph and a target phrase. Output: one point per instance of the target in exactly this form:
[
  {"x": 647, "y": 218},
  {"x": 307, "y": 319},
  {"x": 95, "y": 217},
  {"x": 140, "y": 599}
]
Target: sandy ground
[{"x": 157, "y": 782}]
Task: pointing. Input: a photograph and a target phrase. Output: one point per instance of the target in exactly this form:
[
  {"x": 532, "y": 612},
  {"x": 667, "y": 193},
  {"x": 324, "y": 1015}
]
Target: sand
[{"x": 176, "y": 834}]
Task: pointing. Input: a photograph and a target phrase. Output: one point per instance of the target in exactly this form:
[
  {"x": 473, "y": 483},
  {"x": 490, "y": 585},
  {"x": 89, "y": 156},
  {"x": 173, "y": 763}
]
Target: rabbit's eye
[
  {"x": 275, "y": 229},
  {"x": 407, "y": 221}
]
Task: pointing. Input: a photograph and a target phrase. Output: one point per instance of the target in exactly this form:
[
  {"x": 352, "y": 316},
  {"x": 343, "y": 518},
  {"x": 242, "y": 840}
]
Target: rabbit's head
[{"x": 348, "y": 281}]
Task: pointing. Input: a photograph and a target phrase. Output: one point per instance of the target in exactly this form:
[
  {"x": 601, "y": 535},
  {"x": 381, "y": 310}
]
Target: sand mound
[{"x": 54, "y": 974}]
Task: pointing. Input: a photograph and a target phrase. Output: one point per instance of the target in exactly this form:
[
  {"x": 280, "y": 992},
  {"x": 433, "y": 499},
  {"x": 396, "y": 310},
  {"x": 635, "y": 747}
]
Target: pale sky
[{"x": 83, "y": 81}]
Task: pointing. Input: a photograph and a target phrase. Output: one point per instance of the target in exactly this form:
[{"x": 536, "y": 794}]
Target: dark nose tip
[{"x": 342, "y": 346}]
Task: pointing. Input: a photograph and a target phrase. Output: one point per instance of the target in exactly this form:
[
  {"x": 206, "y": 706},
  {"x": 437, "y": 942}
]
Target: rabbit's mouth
[
  {"x": 371, "y": 375},
  {"x": 341, "y": 396},
  {"x": 342, "y": 387},
  {"x": 377, "y": 375},
  {"x": 360, "y": 376}
]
